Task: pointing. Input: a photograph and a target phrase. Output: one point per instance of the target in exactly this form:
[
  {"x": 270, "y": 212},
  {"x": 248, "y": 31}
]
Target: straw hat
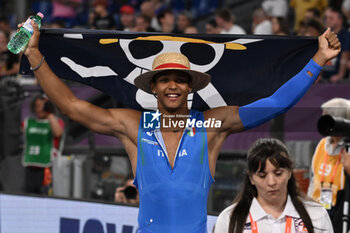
[{"x": 172, "y": 61}]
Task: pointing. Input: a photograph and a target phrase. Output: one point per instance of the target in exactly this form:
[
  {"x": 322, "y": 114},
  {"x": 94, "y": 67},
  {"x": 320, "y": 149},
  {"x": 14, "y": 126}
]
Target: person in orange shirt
[{"x": 330, "y": 162}]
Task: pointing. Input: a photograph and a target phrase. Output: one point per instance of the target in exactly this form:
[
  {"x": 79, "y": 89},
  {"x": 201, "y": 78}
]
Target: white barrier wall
[{"x": 23, "y": 214}]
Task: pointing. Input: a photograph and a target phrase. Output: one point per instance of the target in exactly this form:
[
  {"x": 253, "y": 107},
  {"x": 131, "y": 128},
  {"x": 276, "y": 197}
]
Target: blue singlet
[{"x": 173, "y": 200}]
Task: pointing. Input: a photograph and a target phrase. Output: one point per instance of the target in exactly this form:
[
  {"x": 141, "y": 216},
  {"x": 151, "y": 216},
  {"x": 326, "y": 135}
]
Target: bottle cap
[{"x": 41, "y": 15}]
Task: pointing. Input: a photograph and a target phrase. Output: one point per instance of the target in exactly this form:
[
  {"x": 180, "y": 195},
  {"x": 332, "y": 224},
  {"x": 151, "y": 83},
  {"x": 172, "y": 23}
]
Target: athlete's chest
[
  {"x": 171, "y": 144},
  {"x": 174, "y": 150}
]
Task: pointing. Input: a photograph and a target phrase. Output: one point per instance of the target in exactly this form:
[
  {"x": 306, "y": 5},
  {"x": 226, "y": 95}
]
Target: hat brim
[{"x": 199, "y": 80}]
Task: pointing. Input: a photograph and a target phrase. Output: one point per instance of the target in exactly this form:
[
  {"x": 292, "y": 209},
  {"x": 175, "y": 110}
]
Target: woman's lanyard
[
  {"x": 255, "y": 226},
  {"x": 324, "y": 169}
]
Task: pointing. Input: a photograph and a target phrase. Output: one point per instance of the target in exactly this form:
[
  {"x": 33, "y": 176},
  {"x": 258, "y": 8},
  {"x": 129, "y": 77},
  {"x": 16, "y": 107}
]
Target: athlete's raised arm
[
  {"x": 106, "y": 121},
  {"x": 236, "y": 119}
]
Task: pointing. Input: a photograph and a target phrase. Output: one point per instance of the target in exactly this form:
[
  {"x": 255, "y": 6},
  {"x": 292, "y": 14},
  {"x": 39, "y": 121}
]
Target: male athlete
[{"x": 174, "y": 165}]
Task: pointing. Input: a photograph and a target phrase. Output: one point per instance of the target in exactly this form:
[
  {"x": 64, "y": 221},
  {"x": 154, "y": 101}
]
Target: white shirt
[
  {"x": 268, "y": 224},
  {"x": 263, "y": 28},
  {"x": 235, "y": 29},
  {"x": 276, "y": 8},
  {"x": 346, "y": 5}
]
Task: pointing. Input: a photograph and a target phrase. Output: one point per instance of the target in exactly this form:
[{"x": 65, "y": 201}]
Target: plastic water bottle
[{"x": 21, "y": 38}]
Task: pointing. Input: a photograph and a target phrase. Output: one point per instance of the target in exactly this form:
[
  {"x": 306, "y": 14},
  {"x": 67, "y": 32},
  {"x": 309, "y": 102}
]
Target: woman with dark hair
[
  {"x": 280, "y": 26},
  {"x": 270, "y": 200}
]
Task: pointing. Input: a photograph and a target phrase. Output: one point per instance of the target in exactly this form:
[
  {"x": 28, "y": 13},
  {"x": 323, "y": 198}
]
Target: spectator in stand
[
  {"x": 184, "y": 20},
  {"x": 301, "y": 6},
  {"x": 166, "y": 20},
  {"x": 149, "y": 8},
  {"x": 211, "y": 27},
  {"x": 275, "y": 8},
  {"x": 127, "y": 18},
  {"x": 42, "y": 135},
  {"x": 312, "y": 14},
  {"x": 313, "y": 28},
  {"x": 301, "y": 29},
  {"x": 280, "y": 26},
  {"x": 143, "y": 24},
  {"x": 66, "y": 10},
  {"x": 101, "y": 18},
  {"x": 226, "y": 22},
  {"x": 9, "y": 62},
  {"x": 191, "y": 30},
  {"x": 261, "y": 23},
  {"x": 336, "y": 69}
]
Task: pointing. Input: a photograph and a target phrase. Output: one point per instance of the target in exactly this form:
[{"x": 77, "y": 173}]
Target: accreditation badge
[{"x": 326, "y": 198}]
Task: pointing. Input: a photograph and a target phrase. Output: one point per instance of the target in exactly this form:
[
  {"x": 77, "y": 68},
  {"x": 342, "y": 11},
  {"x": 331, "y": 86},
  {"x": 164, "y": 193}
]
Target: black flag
[{"x": 243, "y": 68}]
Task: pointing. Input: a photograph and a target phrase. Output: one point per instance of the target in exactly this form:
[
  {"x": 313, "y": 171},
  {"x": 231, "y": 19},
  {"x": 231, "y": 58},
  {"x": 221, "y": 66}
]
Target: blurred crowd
[{"x": 270, "y": 17}]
